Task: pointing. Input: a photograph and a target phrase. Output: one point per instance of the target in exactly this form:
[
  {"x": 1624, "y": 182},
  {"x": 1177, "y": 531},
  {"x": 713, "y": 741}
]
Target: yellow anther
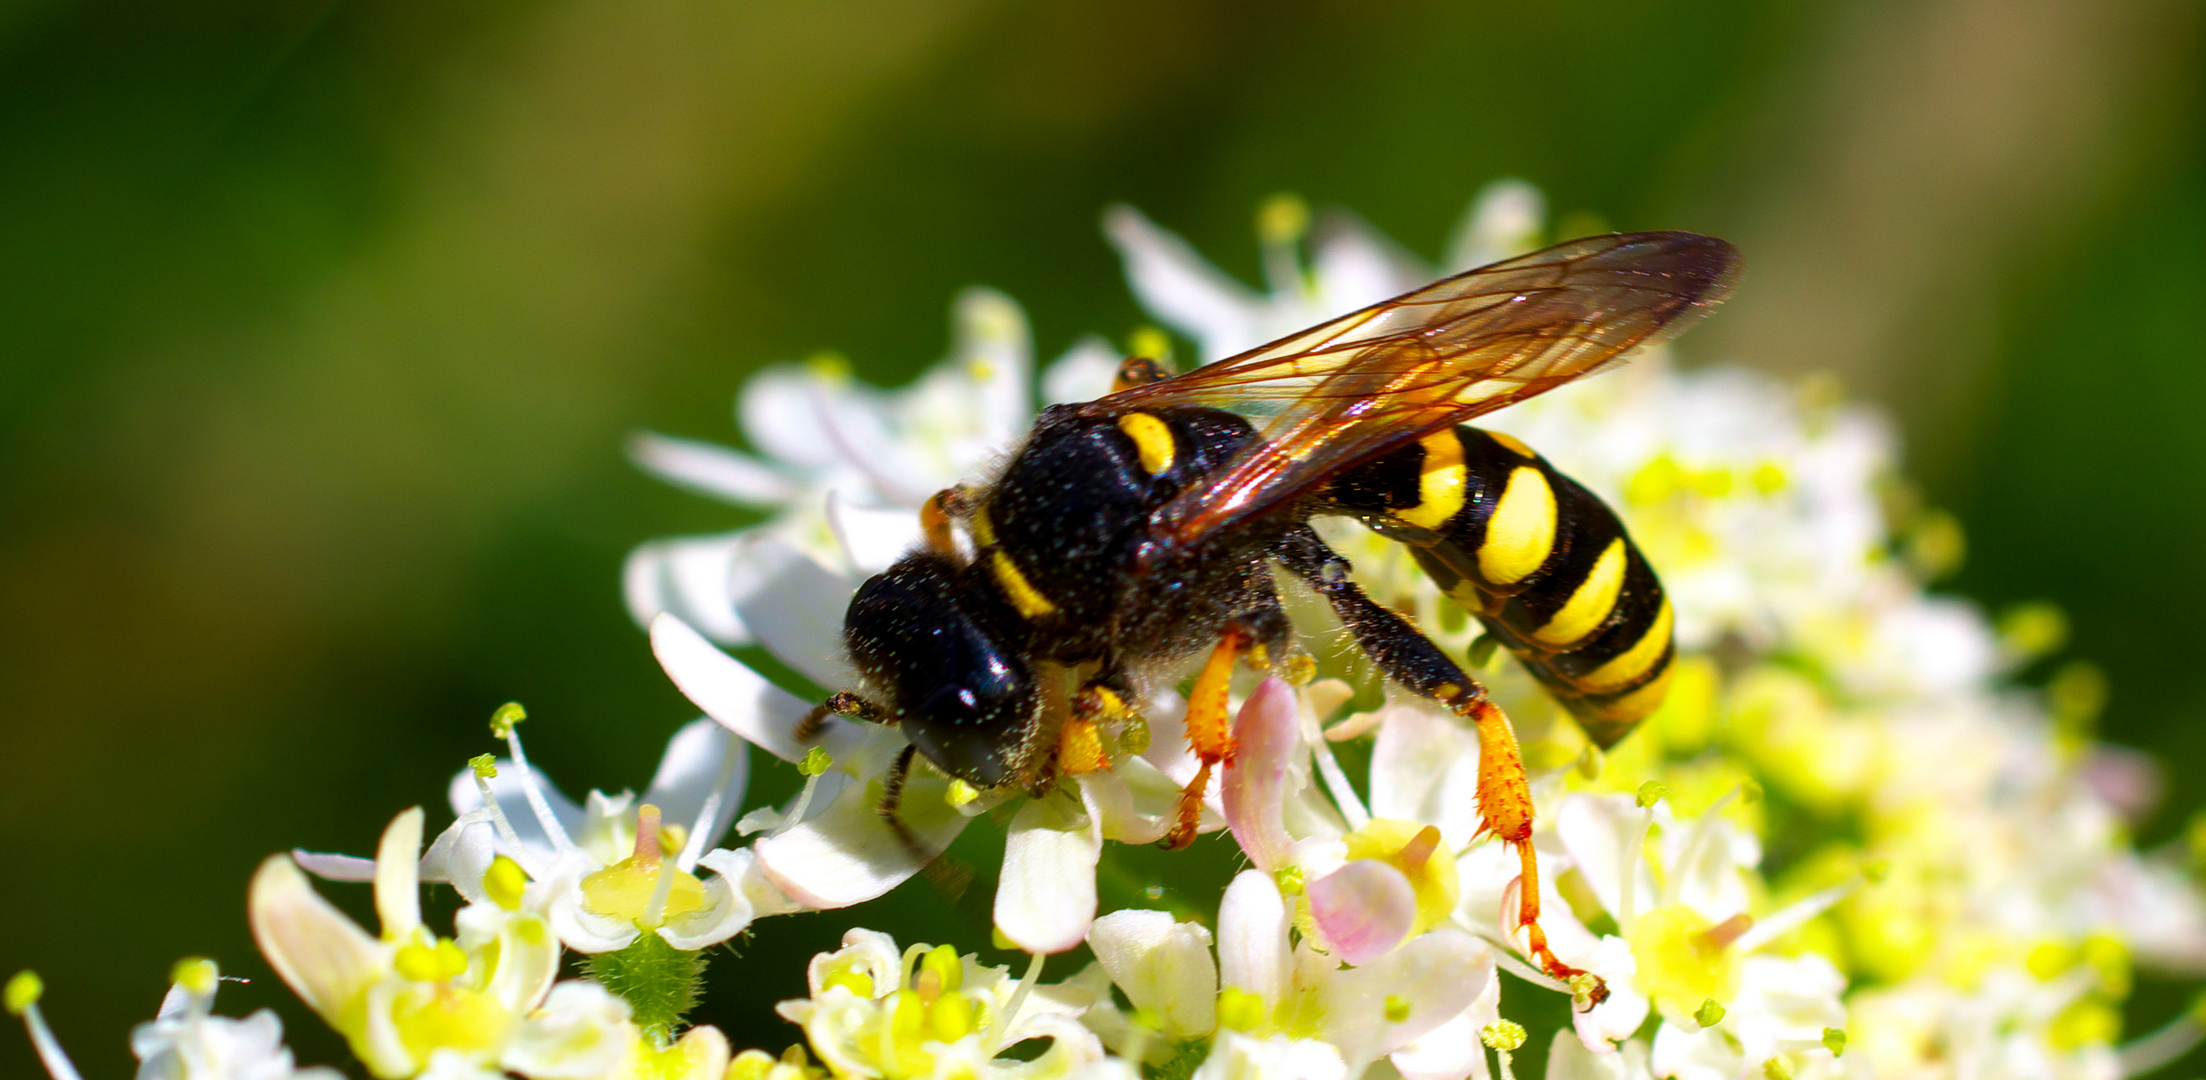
[
  {"x": 2033, "y": 629},
  {"x": 951, "y": 1017},
  {"x": 1768, "y": 478},
  {"x": 1777, "y": 1068},
  {"x": 1397, "y": 1009},
  {"x": 1133, "y": 737},
  {"x": 1834, "y": 1040},
  {"x": 816, "y": 762},
  {"x": 196, "y": 974},
  {"x": 1151, "y": 342},
  {"x": 1582, "y": 987},
  {"x": 1651, "y": 793},
  {"x": 980, "y": 371},
  {"x": 996, "y": 938},
  {"x": 1289, "y": 880},
  {"x": 1502, "y": 1035},
  {"x": 507, "y": 715},
  {"x": 483, "y": 765},
  {"x": 831, "y": 366},
  {"x": 908, "y": 1015},
  {"x": 943, "y": 961},
  {"x": 959, "y": 793},
  {"x": 1283, "y": 218},
  {"x": 1240, "y": 1010},
  {"x": 417, "y": 962},
  {"x": 1876, "y": 870},
  {"x": 451, "y": 962},
  {"x": 1709, "y": 1014},
  {"x": 851, "y": 979},
  {"x": 23, "y": 991},
  {"x": 504, "y": 882}
]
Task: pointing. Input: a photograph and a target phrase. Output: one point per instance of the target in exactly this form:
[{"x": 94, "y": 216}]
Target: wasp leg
[
  {"x": 842, "y": 704},
  {"x": 1102, "y": 700},
  {"x": 1411, "y": 659},
  {"x": 944, "y": 873},
  {"x": 1253, "y": 637},
  {"x": 934, "y": 521}
]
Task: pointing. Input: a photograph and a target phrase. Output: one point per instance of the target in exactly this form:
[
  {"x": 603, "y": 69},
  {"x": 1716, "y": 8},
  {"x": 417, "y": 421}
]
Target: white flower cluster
[{"x": 1846, "y": 846}]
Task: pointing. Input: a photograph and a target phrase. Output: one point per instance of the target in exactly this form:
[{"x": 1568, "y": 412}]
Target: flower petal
[
  {"x": 695, "y": 577},
  {"x": 1504, "y": 220},
  {"x": 1603, "y": 833},
  {"x": 1569, "y": 1059},
  {"x": 726, "y": 913},
  {"x": 514, "y": 953},
  {"x": 1180, "y": 286},
  {"x": 797, "y": 611},
  {"x": 738, "y": 698},
  {"x": 1362, "y": 910},
  {"x": 513, "y": 801},
  {"x": 398, "y": 875},
  {"x": 1046, "y": 897},
  {"x": 689, "y": 776},
  {"x": 1602, "y": 1026},
  {"x": 1424, "y": 767},
  {"x": 1162, "y": 965},
  {"x": 1241, "y": 1057},
  {"x": 741, "y": 869},
  {"x": 1252, "y": 938},
  {"x": 1084, "y": 373},
  {"x": 583, "y": 1031},
  {"x": 314, "y": 947},
  {"x": 710, "y": 470},
  {"x": 846, "y": 854},
  {"x": 460, "y": 856},
  {"x": 1436, "y": 975},
  {"x": 1255, "y": 784}
]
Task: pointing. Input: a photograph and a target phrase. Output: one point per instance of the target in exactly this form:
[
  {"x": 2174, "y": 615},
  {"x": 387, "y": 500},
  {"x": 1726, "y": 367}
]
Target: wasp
[{"x": 1131, "y": 533}]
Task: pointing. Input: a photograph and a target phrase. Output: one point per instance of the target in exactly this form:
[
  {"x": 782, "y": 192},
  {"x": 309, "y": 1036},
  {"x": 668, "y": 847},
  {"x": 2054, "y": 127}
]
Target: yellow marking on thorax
[
  {"x": 1522, "y": 530},
  {"x": 1024, "y": 596},
  {"x": 1152, "y": 440},
  {"x": 1589, "y": 605},
  {"x": 1630, "y": 665},
  {"x": 1514, "y": 444},
  {"x": 984, "y": 531},
  {"x": 1439, "y": 483}
]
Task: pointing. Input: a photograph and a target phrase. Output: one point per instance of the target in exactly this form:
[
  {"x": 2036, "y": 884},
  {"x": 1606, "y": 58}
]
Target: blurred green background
[{"x": 321, "y": 325}]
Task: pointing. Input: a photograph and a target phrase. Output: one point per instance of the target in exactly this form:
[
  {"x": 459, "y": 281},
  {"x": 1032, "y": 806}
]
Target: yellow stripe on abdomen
[
  {"x": 1152, "y": 440},
  {"x": 1521, "y": 531},
  {"x": 1589, "y": 605},
  {"x": 1439, "y": 482},
  {"x": 1633, "y": 663}
]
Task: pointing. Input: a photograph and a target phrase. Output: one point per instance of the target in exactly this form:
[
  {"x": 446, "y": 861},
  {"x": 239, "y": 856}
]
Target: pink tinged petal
[
  {"x": 689, "y": 774},
  {"x": 1162, "y": 965},
  {"x": 1437, "y": 975},
  {"x": 398, "y": 875},
  {"x": 1046, "y": 897},
  {"x": 1424, "y": 767},
  {"x": 1178, "y": 286},
  {"x": 1601, "y": 1027},
  {"x": 315, "y": 948},
  {"x": 710, "y": 470},
  {"x": 738, "y": 698},
  {"x": 1362, "y": 910},
  {"x": 846, "y": 854},
  {"x": 1252, "y": 938},
  {"x": 1255, "y": 785},
  {"x": 797, "y": 611},
  {"x": 694, "y": 577}
]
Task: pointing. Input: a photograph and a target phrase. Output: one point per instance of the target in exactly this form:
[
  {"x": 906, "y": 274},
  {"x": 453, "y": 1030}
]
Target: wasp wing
[{"x": 1350, "y": 390}]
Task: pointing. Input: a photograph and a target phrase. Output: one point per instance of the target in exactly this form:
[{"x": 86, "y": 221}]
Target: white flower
[
  {"x": 186, "y": 1041},
  {"x": 927, "y": 1012}
]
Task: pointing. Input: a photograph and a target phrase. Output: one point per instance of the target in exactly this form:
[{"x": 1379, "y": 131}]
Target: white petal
[
  {"x": 741, "y": 869},
  {"x": 559, "y": 897},
  {"x": 1568, "y": 1059},
  {"x": 334, "y": 867},
  {"x": 1046, "y": 897},
  {"x": 1179, "y": 287},
  {"x": 1602, "y": 833},
  {"x": 581, "y": 1033},
  {"x": 1162, "y": 965},
  {"x": 797, "y": 611},
  {"x": 996, "y": 352},
  {"x": 1448, "y": 1052},
  {"x": 460, "y": 856},
  {"x": 689, "y": 774},
  {"x": 1252, "y": 937},
  {"x": 1357, "y": 266},
  {"x": 1614, "y": 1020},
  {"x": 1424, "y": 767},
  {"x": 710, "y": 470},
  {"x": 1084, "y": 373},
  {"x": 514, "y": 952},
  {"x": 314, "y": 947},
  {"x": 1504, "y": 220},
  {"x": 1437, "y": 974},
  {"x": 846, "y": 854},
  {"x": 783, "y": 411},
  {"x": 513, "y": 802},
  {"x": 694, "y": 577},
  {"x": 737, "y": 697},
  {"x": 1240, "y": 1057},
  {"x": 1133, "y": 803},
  {"x": 1695, "y": 1055},
  {"x": 726, "y": 913},
  {"x": 398, "y": 875}
]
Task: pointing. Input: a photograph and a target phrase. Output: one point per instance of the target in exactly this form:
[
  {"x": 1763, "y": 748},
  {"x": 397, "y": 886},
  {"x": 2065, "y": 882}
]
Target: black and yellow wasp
[{"x": 1132, "y": 532}]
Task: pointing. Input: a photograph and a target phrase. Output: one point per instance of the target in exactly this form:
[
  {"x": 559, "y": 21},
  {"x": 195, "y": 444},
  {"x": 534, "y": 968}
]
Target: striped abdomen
[{"x": 1542, "y": 563}]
